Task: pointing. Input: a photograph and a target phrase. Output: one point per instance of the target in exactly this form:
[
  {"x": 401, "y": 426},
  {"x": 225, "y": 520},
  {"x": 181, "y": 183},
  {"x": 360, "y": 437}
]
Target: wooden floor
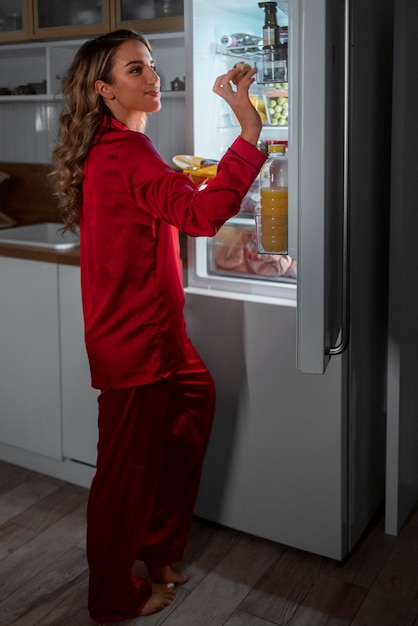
[{"x": 235, "y": 579}]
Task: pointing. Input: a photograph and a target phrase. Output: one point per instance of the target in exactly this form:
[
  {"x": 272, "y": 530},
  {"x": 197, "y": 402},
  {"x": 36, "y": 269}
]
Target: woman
[{"x": 157, "y": 398}]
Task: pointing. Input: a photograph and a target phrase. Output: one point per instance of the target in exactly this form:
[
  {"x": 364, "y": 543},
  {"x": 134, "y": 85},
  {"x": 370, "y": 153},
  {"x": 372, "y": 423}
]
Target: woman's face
[{"x": 135, "y": 89}]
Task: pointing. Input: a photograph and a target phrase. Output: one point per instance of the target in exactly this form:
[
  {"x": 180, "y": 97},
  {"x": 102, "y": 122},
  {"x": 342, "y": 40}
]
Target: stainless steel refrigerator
[
  {"x": 402, "y": 430},
  {"x": 297, "y": 343}
]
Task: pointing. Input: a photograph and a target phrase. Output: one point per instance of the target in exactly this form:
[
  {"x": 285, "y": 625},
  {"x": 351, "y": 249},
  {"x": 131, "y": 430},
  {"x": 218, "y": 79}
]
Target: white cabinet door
[
  {"x": 29, "y": 354},
  {"x": 79, "y": 399}
]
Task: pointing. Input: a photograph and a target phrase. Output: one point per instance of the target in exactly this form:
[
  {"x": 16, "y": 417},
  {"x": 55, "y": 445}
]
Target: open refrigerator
[{"x": 296, "y": 343}]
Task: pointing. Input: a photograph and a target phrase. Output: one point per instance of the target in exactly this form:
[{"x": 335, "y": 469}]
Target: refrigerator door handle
[
  {"x": 319, "y": 164},
  {"x": 346, "y": 244}
]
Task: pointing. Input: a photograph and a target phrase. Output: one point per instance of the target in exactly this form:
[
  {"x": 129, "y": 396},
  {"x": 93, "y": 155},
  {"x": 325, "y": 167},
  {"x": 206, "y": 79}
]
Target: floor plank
[
  {"x": 33, "y": 601},
  {"x": 11, "y": 476},
  {"x": 393, "y": 599},
  {"x": 23, "y": 496},
  {"x": 51, "y": 508},
  {"x": 208, "y": 544},
  {"x": 223, "y": 589},
  {"x": 244, "y": 619},
  {"x": 69, "y": 607},
  {"x": 284, "y": 586},
  {"x": 12, "y": 537},
  {"x": 330, "y": 602},
  {"x": 41, "y": 552}
]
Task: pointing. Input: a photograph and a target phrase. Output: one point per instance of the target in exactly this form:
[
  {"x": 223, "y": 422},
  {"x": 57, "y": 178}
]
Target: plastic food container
[
  {"x": 259, "y": 104},
  {"x": 233, "y": 251},
  {"x": 277, "y": 106}
]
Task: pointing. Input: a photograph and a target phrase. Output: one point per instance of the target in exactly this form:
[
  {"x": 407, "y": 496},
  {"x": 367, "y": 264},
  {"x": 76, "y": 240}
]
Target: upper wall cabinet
[
  {"x": 149, "y": 15},
  {"x": 72, "y": 17},
  {"x": 43, "y": 19},
  {"x": 15, "y": 20}
]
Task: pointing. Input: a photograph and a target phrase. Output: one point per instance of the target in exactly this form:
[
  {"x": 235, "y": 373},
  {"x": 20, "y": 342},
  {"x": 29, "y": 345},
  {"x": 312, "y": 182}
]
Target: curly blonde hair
[{"x": 80, "y": 118}]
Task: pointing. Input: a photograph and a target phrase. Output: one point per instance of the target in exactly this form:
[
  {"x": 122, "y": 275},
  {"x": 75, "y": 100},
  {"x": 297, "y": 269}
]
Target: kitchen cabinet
[
  {"x": 40, "y": 19},
  {"x": 79, "y": 399},
  {"x": 149, "y": 15},
  {"x": 39, "y": 65},
  {"x": 29, "y": 357},
  {"x": 48, "y": 407},
  {"x": 70, "y": 18},
  {"x": 15, "y": 20}
]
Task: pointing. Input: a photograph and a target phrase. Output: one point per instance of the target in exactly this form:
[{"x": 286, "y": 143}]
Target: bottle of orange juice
[{"x": 272, "y": 221}]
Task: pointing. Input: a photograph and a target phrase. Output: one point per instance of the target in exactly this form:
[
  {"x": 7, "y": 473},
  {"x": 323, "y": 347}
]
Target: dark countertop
[{"x": 35, "y": 253}]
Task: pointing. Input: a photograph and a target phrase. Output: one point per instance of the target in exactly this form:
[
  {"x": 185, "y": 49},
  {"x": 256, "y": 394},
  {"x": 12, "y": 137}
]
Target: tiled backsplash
[{"x": 28, "y": 130}]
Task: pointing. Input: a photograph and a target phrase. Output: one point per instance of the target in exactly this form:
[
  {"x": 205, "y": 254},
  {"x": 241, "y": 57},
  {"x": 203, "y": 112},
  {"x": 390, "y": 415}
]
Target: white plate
[{"x": 187, "y": 162}]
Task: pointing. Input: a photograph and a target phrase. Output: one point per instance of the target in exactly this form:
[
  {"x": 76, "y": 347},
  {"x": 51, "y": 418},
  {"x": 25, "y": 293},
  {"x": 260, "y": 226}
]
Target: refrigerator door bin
[
  {"x": 233, "y": 251},
  {"x": 228, "y": 265}
]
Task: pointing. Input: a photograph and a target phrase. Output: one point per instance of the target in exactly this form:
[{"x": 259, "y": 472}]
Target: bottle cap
[
  {"x": 276, "y": 147},
  {"x": 269, "y": 7}
]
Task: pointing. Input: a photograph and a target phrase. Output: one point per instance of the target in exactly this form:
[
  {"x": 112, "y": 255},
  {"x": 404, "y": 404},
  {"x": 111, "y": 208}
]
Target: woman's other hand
[{"x": 240, "y": 103}]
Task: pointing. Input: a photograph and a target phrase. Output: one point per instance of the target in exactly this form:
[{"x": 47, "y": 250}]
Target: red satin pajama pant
[{"x": 152, "y": 442}]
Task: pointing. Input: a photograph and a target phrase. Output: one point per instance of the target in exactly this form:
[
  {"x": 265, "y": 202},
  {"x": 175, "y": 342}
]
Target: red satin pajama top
[{"x": 134, "y": 205}]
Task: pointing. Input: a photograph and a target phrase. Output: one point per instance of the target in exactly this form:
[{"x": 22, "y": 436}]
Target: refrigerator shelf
[{"x": 240, "y": 52}]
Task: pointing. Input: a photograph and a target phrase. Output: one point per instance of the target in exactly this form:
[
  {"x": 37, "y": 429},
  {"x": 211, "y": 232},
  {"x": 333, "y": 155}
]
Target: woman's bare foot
[
  {"x": 166, "y": 574},
  {"x": 162, "y": 596}
]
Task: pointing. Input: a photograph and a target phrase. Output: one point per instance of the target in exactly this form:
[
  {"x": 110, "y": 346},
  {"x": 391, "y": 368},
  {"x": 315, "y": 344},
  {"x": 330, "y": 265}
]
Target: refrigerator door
[
  {"x": 316, "y": 136},
  {"x": 317, "y": 158}
]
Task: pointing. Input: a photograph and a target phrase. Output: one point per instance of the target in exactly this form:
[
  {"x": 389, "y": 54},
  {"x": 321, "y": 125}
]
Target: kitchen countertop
[{"x": 34, "y": 253}]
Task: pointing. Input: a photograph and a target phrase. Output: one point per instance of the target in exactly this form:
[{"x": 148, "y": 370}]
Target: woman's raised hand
[{"x": 237, "y": 98}]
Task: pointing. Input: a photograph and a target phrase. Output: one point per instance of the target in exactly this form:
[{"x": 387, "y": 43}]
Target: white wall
[{"x": 27, "y": 131}]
